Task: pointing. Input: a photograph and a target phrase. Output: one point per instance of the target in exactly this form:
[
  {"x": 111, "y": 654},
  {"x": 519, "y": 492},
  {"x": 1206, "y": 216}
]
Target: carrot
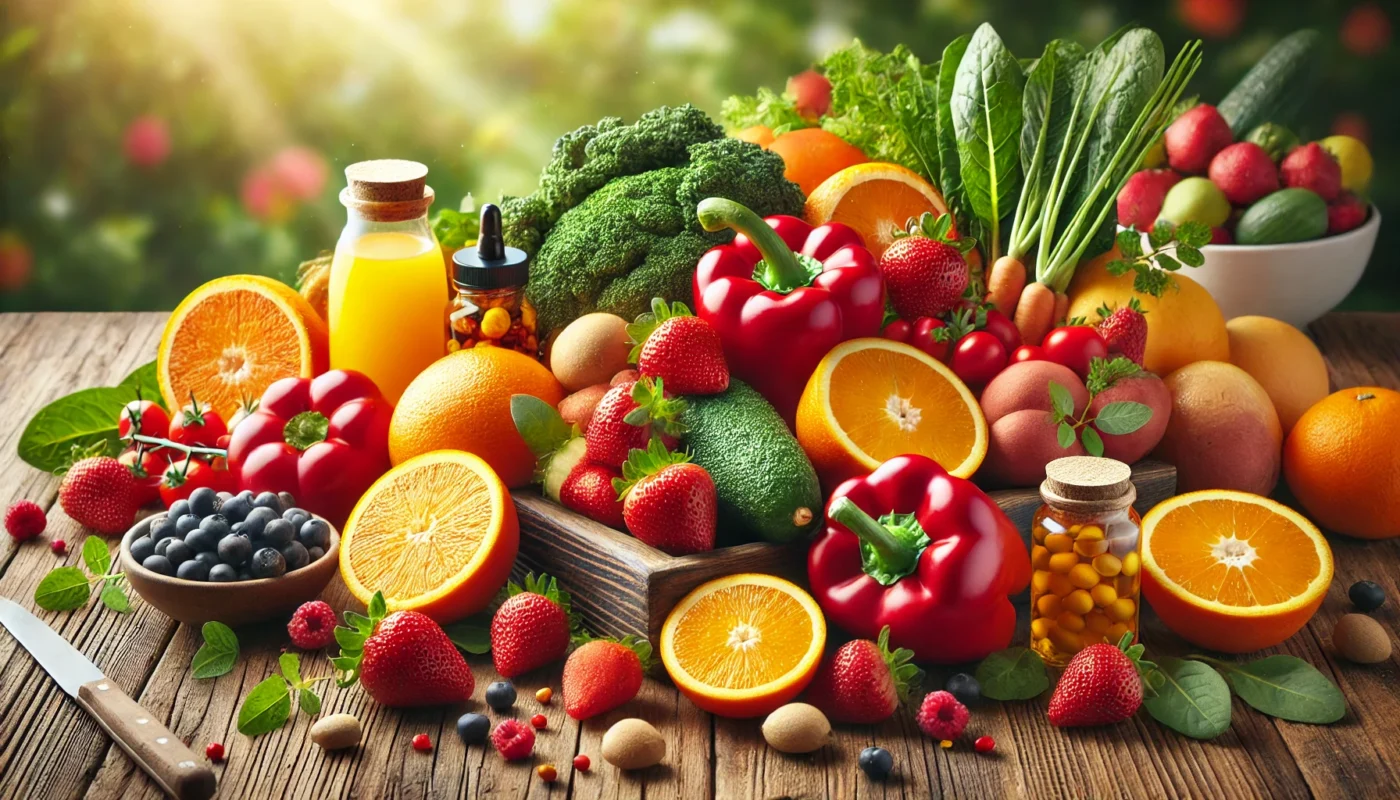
[
  {"x": 1005, "y": 281},
  {"x": 1035, "y": 312},
  {"x": 1061, "y": 307}
]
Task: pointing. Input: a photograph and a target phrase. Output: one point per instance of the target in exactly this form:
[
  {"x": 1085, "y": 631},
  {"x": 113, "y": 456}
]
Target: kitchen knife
[{"x": 163, "y": 756}]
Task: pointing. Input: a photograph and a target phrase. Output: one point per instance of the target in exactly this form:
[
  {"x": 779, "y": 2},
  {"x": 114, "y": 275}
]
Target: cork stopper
[
  {"x": 387, "y": 190},
  {"x": 1085, "y": 483}
]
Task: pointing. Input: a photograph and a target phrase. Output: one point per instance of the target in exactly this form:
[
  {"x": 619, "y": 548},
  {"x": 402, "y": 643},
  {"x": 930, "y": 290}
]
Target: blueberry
[
  {"x": 203, "y": 501},
  {"x": 179, "y": 508},
  {"x": 500, "y": 695},
  {"x": 192, "y": 571},
  {"x": 236, "y": 509},
  {"x": 163, "y": 528},
  {"x": 208, "y": 559},
  {"x": 159, "y": 565},
  {"x": 245, "y": 574},
  {"x": 201, "y": 540},
  {"x": 222, "y": 573},
  {"x": 268, "y": 563},
  {"x": 296, "y": 516},
  {"x": 315, "y": 533},
  {"x": 178, "y": 552},
  {"x": 286, "y": 501},
  {"x": 143, "y": 548},
  {"x": 236, "y": 527},
  {"x": 268, "y": 500},
  {"x": 297, "y": 556},
  {"x": 1366, "y": 595},
  {"x": 965, "y": 688},
  {"x": 224, "y": 497},
  {"x": 876, "y": 762},
  {"x": 216, "y": 524},
  {"x": 279, "y": 533},
  {"x": 186, "y": 523},
  {"x": 161, "y": 545},
  {"x": 314, "y": 553},
  {"x": 235, "y": 549},
  {"x": 257, "y": 519},
  {"x": 473, "y": 728}
]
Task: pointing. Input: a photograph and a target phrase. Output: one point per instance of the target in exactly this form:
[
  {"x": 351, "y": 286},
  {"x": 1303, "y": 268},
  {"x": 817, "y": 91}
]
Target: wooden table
[{"x": 51, "y": 749}]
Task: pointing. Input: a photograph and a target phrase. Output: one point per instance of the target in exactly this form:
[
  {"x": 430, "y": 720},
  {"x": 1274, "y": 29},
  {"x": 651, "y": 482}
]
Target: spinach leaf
[
  {"x": 1285, "y": 687},
  {"x": 266, "y": 708},
  {"x": 949, "y": 175},
  {"x": 1188, "y": 697},
  {"x": 1052, "y": 86},
  {"x": 144, "y": 380},
  {"x": 986, "y": 106},
  {"x": 1015, "y": 673},
  {"x": 63, "y": 589},
  {"x": 85, "y": 419}
]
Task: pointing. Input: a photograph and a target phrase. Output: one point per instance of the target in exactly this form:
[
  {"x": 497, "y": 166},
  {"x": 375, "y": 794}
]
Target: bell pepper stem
[
  {"x": 896, "y": 556},
  {"x": 782, "y": 265}
]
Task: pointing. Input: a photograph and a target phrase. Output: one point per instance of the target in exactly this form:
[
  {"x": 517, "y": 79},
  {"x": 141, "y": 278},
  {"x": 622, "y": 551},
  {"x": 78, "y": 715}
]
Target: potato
[
  {"x": 1149, "y": 390},
  {"x": 1020, "y": 445},
  {"x": 1026, "y": 386},
  {"x": 590, "y": 350},
  {"x": 578, "y": 407}
]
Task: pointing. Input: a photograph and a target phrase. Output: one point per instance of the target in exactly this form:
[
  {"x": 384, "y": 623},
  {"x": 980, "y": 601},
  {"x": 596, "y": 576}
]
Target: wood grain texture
[{"x": 51, "y": 748}]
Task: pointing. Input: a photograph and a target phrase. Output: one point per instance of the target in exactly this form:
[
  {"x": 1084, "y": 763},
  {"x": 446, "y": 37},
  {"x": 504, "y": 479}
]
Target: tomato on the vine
[
  {"x": 978, "y": 357},
  {"x": 148, "y": 472},
  {"x": 150, "y": 418},
  {"x": 183, "y": 477},
  {"x": 1074, "y": 346},
  {"x": 1001, "y": 326},
  {"x": 197, "y": 425},
  {"x": 924, "y": 338}
]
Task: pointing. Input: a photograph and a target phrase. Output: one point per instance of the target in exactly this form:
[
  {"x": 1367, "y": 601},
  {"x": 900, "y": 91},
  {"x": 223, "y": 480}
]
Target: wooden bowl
[{"x": 236, "y": 603}]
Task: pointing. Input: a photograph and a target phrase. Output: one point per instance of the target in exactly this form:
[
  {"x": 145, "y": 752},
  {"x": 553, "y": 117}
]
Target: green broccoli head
[{"x": 742, "y": 172}]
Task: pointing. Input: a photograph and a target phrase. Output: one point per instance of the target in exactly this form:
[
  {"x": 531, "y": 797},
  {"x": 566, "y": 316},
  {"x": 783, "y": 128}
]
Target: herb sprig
[
  {"x": 268, "y": 705},
  {"x": 1118, "y": 418},
  {"x": 1171, "y": 247},
  {"x": 69, "y": 588}
]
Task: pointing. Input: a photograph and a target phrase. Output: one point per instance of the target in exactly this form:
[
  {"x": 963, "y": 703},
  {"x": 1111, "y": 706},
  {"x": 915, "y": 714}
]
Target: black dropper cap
[{"x": 491, "y": 265}]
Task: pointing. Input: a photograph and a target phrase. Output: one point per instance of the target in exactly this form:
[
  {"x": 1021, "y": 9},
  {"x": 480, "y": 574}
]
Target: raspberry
[
  {"x": 582, "y": 762},
  {"x": 24, "y": 520},
  {"x": 539, "y": 721},
  {"x": 312, "y": 626},
  {"x": 214, "y": 752},
  {"x": 422, "y": 743},
  {"x": 59, "y": 547},
  {"x": 942, "y": 716},
  {"x": 514, "y": 739}
]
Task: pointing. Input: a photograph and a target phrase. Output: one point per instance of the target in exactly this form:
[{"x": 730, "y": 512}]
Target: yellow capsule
[
  {"x": 1047, "y": 605},
  {"x": 1097, "y": 622},
  {"x": 1116, "y": 632},
  {"x": 1121, "y": 610},
  {"x": 1039, "y": 533},
  {"x": 527, "y": 316},
  {"x": 1090, "y": 547},
  {"x": 1040, "y": 557},
  {"x": 1060, "y": 585},
  {"x": 1065, "y": 641},
  {"x": 1075, "y": 528},
  {"x": 1126, "y": 586},
  {"x": 1079, "y": 602},
  {"x": 1131, "y": 562},
  {"x": 1083, "y": 576},
  {"x": 1089, "y": 637},
  {"x": 1089, "y": 532},
  {"x": 1063, "y": 562},
  {"x": 1040, "y": 581},
  {"x": 495, "y": 322},
  {"x": 1103, "y": 595},
  {"x": 1059, "y": 543},
  {"x": 946, "y": 743},
  {"x": 1041, "y": 627},
  {"x": 1107, "y": 565},
  {"x": 1070, "y": 621},
  {"x": 484, "y": 343}
]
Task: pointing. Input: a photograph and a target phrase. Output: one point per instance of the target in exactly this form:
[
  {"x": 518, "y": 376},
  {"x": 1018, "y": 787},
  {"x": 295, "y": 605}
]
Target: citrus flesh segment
[
  {"x": 874, "y": 199},
  {"x": 436, "y": 534}
]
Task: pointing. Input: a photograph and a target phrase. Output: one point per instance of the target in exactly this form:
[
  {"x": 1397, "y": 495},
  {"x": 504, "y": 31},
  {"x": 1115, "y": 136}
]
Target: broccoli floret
[
  {"x": 584, "y": 160},
  {"x": 638, "y": 237}
]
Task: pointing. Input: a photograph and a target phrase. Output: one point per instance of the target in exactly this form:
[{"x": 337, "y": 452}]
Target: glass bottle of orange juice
[{"x": 386, "y": 288}]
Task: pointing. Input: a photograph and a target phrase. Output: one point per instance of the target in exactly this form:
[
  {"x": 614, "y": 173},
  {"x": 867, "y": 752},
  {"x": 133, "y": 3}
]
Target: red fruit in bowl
[
  {"x": 1141, "y": 199},
  {"x": 1221, "y": 236},
  {"x": 1195, "y": 137},
  {"x": 1347, "y": 213},
  {"x": 1313, "y": 168},
  {"x": 1244, "y": 172}
]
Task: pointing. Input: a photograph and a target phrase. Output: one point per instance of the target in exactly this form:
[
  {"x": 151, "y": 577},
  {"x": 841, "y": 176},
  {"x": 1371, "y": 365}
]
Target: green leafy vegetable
[
  {"x": 986, "y": 107},
  {"x": 768, "y": 108},
  {"x": 1122, "y": 417},
  {"x": 143, "y": 380},
  {"x": 96, "y": 556},
  {"x": 1285, "y": 687},
  {"x": 1046, "y": 108},
  {"x": 1116, "y": 418},
  {"x": 1188, "y": 697},
  {"x": 114, "y": 597},
  {"x": 1016, "y": 673},
  {"x": 949, "y": 172},
  {"x": 266, "y": 708},
  {"x": 63, "y": 589},
  {"x": 882, "y": 103},
  {"x": 1093, "y": 445},
  {"x": 85, "y": 420},
  {"x": 456, "y": 229},
  {"x": 472, "y": 635},
  {"x": 219, "y": 652}
]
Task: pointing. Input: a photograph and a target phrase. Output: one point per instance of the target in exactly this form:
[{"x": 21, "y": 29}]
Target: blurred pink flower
[
  {"x": 1366, "y": 30},
  {"x": 301, "y": 171},
  {"x": 16, "y": 262},
  {"x": 265, "y": 197},
  {"x": 1216, "y": 19},
  {"x": 147, "y": 141}
]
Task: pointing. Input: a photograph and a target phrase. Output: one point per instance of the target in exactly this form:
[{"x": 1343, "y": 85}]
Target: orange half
[
  {"x": 873, "y": 399},
  {"x": 1233, "y": 571},
  {"x": 436, "y": 534},
  {"x": 232, "y": 337},
  {"x": 743, "y": 645},
  {"x": 875, "y": 199}
]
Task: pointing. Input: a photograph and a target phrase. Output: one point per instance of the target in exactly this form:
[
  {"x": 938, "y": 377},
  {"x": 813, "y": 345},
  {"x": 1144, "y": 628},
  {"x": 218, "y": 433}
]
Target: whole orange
[
  {"x": 1342, "y": 464},
  {"x": 462, "y": 402},
  {"x": 811, "y": 155},
  {"x": 761, "y": 135}
]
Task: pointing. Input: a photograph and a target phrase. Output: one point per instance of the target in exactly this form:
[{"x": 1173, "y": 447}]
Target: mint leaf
[
  {"x": 63, "y": 589},
  {"x": 1118, "y": 267},
  {"x": 218, "y": 653},
  {"x": 266, "y": 708},
  {"x": 114, "y": 597},
  {"x": 1130, "y": 242},
  {"x": 1061, "y": 401},
  {"x": 1188, "y": 697},
  {"x": 1167, "y": 263},
  {"x": 1160, "y": 235},
  {"x": 1015, "y": 673},
  {"x": 1190, "y": 256},
  {"x": 1065, "y": 435},
  {"x": 96, "y": 555},
  {"x": 472, "y": 635},
  {"x": 290, "y": 664},
  {"x": 86, "y": 419},
  {"x": 1122, "y": 417},
  {"x": 1193, "y": 234},
  {"x": 1092, "y": 443},
  {"x": 310, "y": 702}
]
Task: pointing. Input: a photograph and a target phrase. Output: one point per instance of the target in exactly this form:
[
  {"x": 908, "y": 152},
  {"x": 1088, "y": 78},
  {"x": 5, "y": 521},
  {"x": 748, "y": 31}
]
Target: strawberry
[
  {"x": 1124, "y": 330},
  {"x": 626, "y": 418},
  {"x": 532, "y": 627},
  {"x": 863, "y": 682},
  {"x": 403, "y": 659},
  {"x": 99, "y": 493},
  {"x": 667, "y": 502},
  {"x": 926, "y": 269},
  {"x": 589, "y": 491},
  {"x": 603, "y": 674},
  {"x": 1100, "y": 686},
  {"x": 683, "y": 350}
]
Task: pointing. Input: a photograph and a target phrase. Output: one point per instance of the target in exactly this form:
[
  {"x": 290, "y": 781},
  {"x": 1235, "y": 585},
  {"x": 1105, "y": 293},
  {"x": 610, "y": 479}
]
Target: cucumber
[
  {"x": 1275, "y": 89},
  {"x": 766, "y": 485},
  {"x": 1288, "y": 215}
]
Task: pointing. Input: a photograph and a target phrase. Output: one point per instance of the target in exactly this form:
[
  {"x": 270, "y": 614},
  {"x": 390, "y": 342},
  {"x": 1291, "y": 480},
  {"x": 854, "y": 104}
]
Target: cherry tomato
[
  {"x": 148, "y": 472},
  {"x": 1074, "y": 346},
  {"x": 898, "y": 331},
  {"x": 197, "y": 425},
  {"x": 151, "y": 420},
  {"x": 1004, "y": 329},
  {"x": 922, "y": 337},
  {"x": 978, "y": 357},
  {"x": 181, "y": 478},
  {"x": 1028, "y": 352}
]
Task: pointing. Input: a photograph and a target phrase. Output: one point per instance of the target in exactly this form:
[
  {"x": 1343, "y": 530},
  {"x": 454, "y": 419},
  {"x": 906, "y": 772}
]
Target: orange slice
[
  {"x": 873, "y": 399},
  {"x": 875, "y": 199},
  {"x": 1233, "y": 571},
  {"x": 232, "y": 337},
  {"x": 436, "y": 534},
  {"x": 742, "y": 645}
]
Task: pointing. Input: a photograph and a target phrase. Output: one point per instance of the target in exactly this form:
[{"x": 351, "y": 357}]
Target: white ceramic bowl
[{"x": 1296, "y": 282}]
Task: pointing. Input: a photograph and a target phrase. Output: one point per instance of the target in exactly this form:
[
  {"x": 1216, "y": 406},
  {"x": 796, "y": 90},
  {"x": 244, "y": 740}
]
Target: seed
[
  {"x": 59, "y": 547},
  {"x": 540, "y": 722},
  {"x": 633, "y": 744},
  {"x": 796, "y": 728},
  {"x": 547, "y": 772},
  {"x": 336, "y": 732},
  {"x": 544, "y": 695},
  {"x": 1360, "y": 639},
  {"x": 422, "y": 743},
  {"x": 214, "y": 752}
]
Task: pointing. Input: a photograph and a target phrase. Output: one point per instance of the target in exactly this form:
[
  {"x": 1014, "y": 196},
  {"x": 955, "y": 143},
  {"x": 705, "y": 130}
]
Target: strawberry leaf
[
  {"x": 905, "y": 673},
  {"x": 352, "y": 640},
  {"x": 548, "y": 588},
  {"x": 653, "y": 406},
  {"x": 647, "y": 322},
  {"x": 645, "y": 463},
  {"x": 1104, "y": 372}
]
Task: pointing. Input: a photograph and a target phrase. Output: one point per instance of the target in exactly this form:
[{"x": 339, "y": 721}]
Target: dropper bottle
[{"x": 488, "y": 306}]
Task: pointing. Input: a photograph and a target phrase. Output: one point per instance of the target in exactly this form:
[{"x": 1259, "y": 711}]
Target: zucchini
[
  {"x": 1275, "y": 89},
  {"x": 1288, "y": 215}
]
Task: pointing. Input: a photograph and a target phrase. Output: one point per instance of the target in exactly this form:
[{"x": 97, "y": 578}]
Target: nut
[
  {"x": 633, "y": 744},
  {"x": 797, "y": 728},
  {"x": 336, "y": 732}
]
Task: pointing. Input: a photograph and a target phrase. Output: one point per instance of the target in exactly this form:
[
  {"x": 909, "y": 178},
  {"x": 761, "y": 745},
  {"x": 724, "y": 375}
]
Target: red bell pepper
[
  {"x": 928, "y": 554},
  {"x": 783, "y": 294},
  {"x": 324, "y": 440}
]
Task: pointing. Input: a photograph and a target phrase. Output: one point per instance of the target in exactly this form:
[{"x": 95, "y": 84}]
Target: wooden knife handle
[{"x": 150, "y": 744}]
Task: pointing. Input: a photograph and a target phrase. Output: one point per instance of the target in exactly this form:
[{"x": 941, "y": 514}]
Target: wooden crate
[{"x": 621, "y": 586}]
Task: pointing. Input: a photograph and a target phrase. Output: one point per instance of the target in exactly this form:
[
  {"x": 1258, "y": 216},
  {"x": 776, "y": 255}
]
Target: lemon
[{"x": 1355, "y": 159}]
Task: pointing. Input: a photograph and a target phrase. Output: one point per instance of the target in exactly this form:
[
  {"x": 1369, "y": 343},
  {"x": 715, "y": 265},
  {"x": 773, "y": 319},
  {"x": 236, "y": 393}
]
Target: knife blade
[{"x": 150, "y": 744}]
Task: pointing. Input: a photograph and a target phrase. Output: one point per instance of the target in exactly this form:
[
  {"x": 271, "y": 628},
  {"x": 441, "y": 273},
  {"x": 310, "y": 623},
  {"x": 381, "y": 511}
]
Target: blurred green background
[{"x": 149, "y": 145}]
